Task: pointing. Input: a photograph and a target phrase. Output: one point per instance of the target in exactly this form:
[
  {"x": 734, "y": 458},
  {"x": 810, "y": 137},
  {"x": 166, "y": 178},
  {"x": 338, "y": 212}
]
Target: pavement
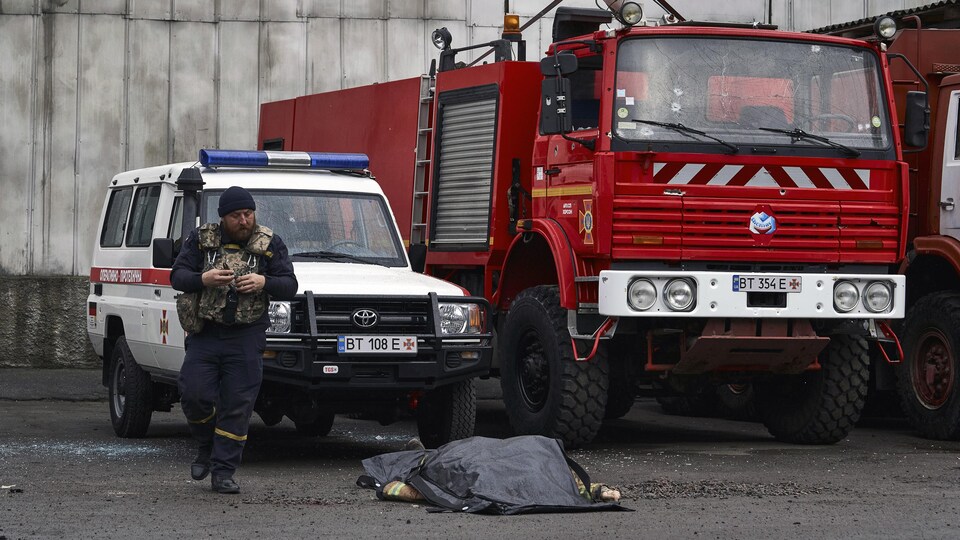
[{"x": 30, "y": 384}]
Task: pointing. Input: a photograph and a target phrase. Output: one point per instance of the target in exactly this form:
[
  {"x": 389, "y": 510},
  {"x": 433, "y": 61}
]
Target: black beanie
[{"x": 235, "y": 198}]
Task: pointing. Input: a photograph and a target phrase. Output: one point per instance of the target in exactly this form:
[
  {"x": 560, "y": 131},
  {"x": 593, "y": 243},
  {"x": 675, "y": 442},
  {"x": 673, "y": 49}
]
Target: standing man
[{"x": 228, "y": 271}]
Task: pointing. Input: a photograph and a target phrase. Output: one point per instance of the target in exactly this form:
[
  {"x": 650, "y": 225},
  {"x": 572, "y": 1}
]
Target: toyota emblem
[{"x": 365, "y": 318}]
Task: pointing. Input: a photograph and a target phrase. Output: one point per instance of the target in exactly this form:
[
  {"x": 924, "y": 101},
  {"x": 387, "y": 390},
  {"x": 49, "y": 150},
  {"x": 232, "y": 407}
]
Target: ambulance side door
[{"x": 169, "y": 336}]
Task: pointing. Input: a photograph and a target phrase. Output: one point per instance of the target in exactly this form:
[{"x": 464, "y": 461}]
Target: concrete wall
[{"x": 92, "y": 87}]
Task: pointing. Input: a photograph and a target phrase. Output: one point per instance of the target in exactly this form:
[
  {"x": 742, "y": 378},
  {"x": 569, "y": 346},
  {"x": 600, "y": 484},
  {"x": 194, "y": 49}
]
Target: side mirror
[
  {"x": 418, "y": 257},
  {"x": 555, "y": 111},
  {"x": 916, "y": 120},
  {"x": 565, "y": 62},
  {"x": 163, "y": 253}
]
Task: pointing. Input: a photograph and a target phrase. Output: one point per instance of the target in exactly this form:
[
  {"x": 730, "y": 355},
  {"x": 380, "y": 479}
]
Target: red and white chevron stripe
[{"x": 717, "y": 174}]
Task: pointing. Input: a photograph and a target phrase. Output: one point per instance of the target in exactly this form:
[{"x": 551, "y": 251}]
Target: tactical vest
[{"x": 225, "y": 304}]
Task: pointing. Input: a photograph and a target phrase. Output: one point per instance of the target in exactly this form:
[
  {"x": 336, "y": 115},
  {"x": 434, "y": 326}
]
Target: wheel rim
[
  {"x": 533, "y": 375},
  {"x": 933, "y": 369},
  {"x": 119, "y": 389},
  {"x": 738, "y": 389}
]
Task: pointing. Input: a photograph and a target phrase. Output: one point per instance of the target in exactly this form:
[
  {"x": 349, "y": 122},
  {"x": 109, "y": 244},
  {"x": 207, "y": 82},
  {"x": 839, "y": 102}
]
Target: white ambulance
[{"x": 366, "y": 334}]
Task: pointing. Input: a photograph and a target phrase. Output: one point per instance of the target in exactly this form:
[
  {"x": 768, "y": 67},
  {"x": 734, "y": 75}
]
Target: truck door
[
  {"x": 950, "y": 178},
  {"x": 569, "y": 172}
]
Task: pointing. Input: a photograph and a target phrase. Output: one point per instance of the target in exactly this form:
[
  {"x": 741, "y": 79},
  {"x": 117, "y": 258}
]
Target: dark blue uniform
[{"x": 223, "y": 365}]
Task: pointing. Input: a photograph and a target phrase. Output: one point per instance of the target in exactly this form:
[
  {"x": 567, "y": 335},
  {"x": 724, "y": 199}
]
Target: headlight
[
  {"x": 279, "y": 317},
  {"x": 845, "y": 296},
  {"x": 641, "y": 294},
  {"x": 631, "y": 13},
  {"x": 885, "y": 27},
  {"x": 460, "y": 319},
  {"x": 680, "y": 295},
  {"x": 877, "y": 296}
]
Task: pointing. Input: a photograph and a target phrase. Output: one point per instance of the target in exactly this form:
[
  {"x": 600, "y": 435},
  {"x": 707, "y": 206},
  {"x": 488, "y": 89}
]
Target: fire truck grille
[
  {"x": 666, "y": 228},
  {"x": 393, "y": 316}
]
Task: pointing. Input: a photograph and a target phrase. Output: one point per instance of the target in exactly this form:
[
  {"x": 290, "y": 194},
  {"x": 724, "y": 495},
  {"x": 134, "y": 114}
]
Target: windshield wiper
[
  {"x": 801, "y": 134},
  {"x": 333, "y": 255},
  {"x": 677, "y": 126}
]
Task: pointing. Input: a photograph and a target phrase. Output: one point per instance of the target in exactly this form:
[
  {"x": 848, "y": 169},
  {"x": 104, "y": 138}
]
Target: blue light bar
[{"x": 311, "y": 160}]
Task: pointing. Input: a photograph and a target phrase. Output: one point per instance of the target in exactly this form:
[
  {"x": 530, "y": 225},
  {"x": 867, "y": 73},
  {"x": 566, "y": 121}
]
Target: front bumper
[
  {"x": 716, "y": 297},
  {"x": 310, "y": 359}
]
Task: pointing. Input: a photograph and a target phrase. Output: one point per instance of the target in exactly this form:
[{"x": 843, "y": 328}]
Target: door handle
[
  {"x": 947, "y": 204},
  {"x": 551, "y": 172},
  {"x": 156, "y": 292}
]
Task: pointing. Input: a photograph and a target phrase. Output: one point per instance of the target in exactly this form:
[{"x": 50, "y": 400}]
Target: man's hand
[
  {"x": 217, "y": 277},
  {"x": 249, "y": 283}
]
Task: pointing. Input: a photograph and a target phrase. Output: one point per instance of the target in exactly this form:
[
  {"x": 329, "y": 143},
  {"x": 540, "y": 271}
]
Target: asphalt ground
[{"x": 63, "y": 474}]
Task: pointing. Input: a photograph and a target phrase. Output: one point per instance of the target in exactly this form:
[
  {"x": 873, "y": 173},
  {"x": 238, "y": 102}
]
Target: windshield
[
  {"x": 734, "y": 88},
  {"x": 320, "y": 225}
]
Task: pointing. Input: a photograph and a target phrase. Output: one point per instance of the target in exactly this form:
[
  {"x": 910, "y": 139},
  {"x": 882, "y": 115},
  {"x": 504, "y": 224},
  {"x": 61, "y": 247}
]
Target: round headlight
[
  {"x": 641, "y": 294},
  {"x": 885, "y": 27},
  {"x": 877, "y": 297},
  {"x": 441, "y": 38},
  {"x": 279, "y": 313},
  {"x": 845, "y": 296},
  {"x": 631, "y": 13},
  {"x": 453, "y": 318},
  {"x": 680, "y": 295}
]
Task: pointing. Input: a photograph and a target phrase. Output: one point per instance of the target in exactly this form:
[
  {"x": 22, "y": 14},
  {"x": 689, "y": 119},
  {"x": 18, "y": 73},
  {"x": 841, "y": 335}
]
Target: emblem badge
[
  {"x": 763, "y": 224},
  {"x": 365, "y": 318},
  {"x": 586, "y": 221}
]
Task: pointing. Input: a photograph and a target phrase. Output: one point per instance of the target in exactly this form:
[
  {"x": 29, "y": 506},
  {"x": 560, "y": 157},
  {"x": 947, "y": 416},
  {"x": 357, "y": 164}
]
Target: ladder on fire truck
[{"x": 418, "y": 224}]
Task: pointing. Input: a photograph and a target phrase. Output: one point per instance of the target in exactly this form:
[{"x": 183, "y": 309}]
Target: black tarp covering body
[{"x": 522, "y": 474}]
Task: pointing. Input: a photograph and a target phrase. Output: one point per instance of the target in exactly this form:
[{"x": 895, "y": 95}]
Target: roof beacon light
[{"x": 311, "y": 160}]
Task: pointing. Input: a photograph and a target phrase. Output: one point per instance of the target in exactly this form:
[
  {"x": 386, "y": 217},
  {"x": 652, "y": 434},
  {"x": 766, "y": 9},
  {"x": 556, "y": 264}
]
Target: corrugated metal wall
[{"x": 92, "y": 87}]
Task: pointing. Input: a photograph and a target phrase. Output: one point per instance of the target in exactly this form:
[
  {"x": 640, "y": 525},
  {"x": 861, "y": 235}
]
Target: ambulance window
[
  {"x": 140, "y": 231},
  {"x": 176, "y": 219},
  {"x": 116, "y": 219}
]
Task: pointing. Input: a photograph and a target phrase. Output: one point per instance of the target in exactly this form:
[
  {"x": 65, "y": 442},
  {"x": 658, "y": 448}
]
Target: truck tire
[
  {"x": 701, "y": 404},
  {"x": 130, "y": 393},
  {"x": 737, "y": 401},
  {"x": 621, "y": 389},
  {"x": 818, "y": 407},
  {"x": 620, "y": 399},
  {"x": 447, "y": 413},
  {"x": 928, "y": 380},
  {"x": 547, "y": 392},
  {"x": 318, "y": 427}
]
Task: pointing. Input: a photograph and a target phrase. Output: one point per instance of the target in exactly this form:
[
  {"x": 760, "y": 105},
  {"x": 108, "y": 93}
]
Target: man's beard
[{"x": 240, "y": 233}]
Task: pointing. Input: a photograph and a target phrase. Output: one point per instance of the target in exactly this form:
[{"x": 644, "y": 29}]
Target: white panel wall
[
  {"x": 100, "y": 151},
  {"x": 92, "y": 87},
  {"x": 239, "y": 83},
  {"x": 194, "y": 107},
  {"x": 148, "y": 93},
  {"x": 323, "y": 65},
  {"x": 17, "y": 33}
]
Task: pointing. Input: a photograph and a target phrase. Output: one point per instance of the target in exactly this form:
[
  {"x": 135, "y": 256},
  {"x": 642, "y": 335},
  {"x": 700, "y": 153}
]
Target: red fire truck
[
  {"x": 656, "y": 207},
  {"x": 928, "y": 380}
]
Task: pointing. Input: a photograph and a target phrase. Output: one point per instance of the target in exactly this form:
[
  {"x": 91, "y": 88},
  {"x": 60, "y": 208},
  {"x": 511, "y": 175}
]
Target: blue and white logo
[{"x": 763, "y": 223}]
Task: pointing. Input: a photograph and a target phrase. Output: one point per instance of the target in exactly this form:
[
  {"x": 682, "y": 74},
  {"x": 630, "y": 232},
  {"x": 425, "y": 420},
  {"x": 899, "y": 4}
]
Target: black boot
[
  {"x": 224, "y": 484},
  {"x": 200, "y": 467}
]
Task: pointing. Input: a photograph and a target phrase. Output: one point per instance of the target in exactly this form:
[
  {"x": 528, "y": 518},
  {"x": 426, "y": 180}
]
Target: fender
[
  {"x": 519, "y": 272},
  {"x": 944, "y": 247}
]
